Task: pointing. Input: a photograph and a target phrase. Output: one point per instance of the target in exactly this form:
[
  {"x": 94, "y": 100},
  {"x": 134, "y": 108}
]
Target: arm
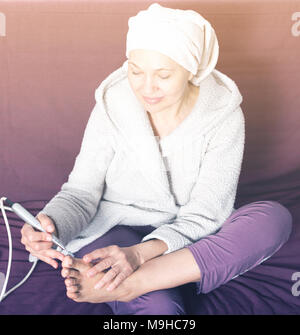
[
  {"x": 150, "y": 249},
  {"x": 159, "y": 273},
  {"x": 76, "y": 204},
  {"x": 122, "y": 261}
]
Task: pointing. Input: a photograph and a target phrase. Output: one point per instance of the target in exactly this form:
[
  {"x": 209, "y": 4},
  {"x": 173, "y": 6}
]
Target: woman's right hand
[{"x": 40, "y": 244}]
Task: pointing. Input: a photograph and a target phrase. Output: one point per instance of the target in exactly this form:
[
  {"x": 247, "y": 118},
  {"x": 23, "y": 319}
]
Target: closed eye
[{"x": 138, "y": 73}]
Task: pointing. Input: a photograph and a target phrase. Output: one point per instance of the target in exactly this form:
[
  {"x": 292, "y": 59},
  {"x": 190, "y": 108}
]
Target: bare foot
[{"x": 80, "y": 287}]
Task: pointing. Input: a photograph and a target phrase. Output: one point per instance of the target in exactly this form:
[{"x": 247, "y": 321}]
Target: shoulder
[
  {"x": 231, "y": 132},
  {"x": 220, "y": 92}
]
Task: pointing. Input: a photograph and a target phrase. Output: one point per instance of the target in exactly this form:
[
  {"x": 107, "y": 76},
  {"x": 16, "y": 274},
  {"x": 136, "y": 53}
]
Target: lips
[{"x": 152, "y": 101}]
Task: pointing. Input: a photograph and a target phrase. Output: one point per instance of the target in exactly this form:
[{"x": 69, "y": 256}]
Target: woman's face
[{"x": 158, "y": 82}]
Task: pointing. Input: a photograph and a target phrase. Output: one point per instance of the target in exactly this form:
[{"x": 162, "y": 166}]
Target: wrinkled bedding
[{"x": 50, "y": 67}]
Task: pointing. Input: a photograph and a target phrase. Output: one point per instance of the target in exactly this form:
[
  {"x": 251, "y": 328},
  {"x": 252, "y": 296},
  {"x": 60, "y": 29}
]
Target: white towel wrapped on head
[{"x": 183, "y": 35}]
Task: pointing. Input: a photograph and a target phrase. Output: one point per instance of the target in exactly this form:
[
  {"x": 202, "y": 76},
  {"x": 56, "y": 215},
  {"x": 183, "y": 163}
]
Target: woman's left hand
[{"x": 122, "y": 261}]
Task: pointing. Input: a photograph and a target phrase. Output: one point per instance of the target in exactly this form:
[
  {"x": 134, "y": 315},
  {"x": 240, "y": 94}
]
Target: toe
[
  {"x": 80, "y": 265},
  {"x": 72, "y": 295},
  {"x": 73, "y": 289},
  {"x": 67, "y": 262},
  {"x": 71, "y": 282},
  {"x": 64, "y": 273},
  {"x": 70, "y": 273},
  {"x": 75, "y": 296}
]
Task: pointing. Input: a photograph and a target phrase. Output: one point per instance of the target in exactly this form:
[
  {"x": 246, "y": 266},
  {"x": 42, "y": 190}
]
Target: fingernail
[
  {"x": 109, "y": 288},
  {"x": 49, "y": 238},
  {"x": 90, "y": 273}
]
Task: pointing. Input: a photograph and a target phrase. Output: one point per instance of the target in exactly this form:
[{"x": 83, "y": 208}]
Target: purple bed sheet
[
  {"x": 48, "y": 94},
  {"x": 266, "y": 289}
]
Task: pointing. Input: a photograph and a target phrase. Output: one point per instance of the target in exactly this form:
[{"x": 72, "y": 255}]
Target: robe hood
[{"x": 218, "y": 97}]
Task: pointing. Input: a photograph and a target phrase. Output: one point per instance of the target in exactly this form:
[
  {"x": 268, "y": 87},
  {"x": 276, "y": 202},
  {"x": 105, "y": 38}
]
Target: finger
[
  {"x": 54, "y": 254},
  {"x": 101, "y": 266},
  {"x": 46, "y": 222},
  {"x": 28, "y": 231},
  {"x": 25, "y": 231},
  {"x": 40, "y": 246},
  {"x": 101, "y": 253},
  {"x": 109, "y": 276},
  {"x": 118, "y": 280},
  {"x": 46, "y": 255},
  {"x": 24, "y": 240},
  {"x": 39, "y": 236},
  {"x": 46, "y": 259},
  {"x": 26, "y": 228},
  {"x": 34, "y": 236},
  {"x": 50, "y": 261}
]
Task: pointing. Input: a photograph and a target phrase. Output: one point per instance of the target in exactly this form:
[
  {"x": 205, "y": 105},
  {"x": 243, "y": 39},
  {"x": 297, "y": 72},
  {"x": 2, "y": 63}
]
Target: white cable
[
  {"x": 6, "y": 208},
  {"x": 10, "y": 249},
  {"x": 4, "y": 294}
]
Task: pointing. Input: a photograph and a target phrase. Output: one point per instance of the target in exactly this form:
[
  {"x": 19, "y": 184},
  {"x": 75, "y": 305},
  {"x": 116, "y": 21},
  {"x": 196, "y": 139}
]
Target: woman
[{"x": 153, "y": 187}]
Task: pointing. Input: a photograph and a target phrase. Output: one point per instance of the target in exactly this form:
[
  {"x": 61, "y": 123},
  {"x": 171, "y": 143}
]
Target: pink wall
[{"x": 56, "y": 53}]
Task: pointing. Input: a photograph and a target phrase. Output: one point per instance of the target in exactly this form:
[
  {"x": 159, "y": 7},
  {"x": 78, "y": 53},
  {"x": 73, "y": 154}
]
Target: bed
[{"x": 54, "y": 54}]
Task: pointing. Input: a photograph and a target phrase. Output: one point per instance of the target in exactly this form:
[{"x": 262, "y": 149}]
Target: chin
[{"x": 152, "y": 108}]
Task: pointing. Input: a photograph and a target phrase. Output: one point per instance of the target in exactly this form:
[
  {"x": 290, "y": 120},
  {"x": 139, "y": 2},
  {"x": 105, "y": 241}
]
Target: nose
[{"x": 149, "y": 86}]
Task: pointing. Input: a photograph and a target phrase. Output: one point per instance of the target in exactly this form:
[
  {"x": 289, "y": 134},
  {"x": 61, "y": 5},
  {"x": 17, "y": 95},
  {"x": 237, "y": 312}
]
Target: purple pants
[{"x": 253, "y": 233}]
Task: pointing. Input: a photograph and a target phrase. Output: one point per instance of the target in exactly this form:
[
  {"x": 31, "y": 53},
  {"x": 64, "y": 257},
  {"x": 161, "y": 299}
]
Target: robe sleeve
[
  {"x": 74, "y": 206},
  {"x": 212, "y": 197}
]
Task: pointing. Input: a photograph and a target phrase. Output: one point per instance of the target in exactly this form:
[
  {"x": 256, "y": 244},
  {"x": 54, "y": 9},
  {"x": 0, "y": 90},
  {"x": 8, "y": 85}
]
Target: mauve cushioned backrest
[{"x": 55, "y": 54}]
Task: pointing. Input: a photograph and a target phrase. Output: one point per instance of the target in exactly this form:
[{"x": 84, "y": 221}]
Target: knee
[{"x": 279, "y": 218}]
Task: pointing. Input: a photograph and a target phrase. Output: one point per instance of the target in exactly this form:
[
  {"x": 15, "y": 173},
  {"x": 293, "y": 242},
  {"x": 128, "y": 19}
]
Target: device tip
[{"x": 8, "y": 202}]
